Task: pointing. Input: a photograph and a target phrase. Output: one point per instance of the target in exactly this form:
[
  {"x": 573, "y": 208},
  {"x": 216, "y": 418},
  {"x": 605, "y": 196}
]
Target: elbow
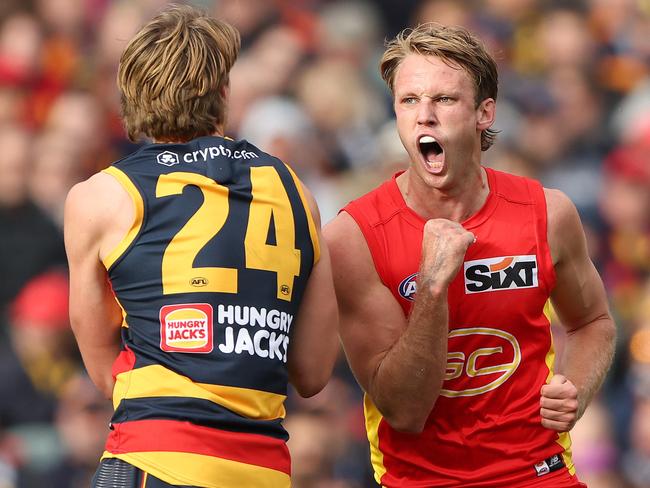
[
  {"x": 310, "y": 379},
  {"x": 106, "y": 388},
  {"x": 103, "y": 383},
  {"x": 308, "y": 387},
  {"x": 409, "y": 419},
  {"x": 407, "y": 423},
  {"x": 107, "y": 392}
]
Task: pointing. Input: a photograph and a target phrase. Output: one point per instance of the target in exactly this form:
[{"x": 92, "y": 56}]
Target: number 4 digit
[{"x": 270, "y": 200}]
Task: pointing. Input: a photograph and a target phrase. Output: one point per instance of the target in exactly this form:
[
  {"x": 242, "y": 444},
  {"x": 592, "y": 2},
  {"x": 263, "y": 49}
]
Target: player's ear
[
  {"x": 224, "y": 91},
  {"x": 485, "y": 114}
]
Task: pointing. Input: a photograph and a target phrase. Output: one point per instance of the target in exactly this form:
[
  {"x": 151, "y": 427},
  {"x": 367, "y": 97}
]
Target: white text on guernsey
[
  {"x": 268, "y": 344},
  {"x": 215, "y": 151}
]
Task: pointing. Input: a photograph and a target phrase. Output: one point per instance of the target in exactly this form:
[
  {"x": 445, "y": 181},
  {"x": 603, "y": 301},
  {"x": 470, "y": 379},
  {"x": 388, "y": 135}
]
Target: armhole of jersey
[
  {"x": 138, "y": 204},
  {"x": 310, "y": 218},
  {"x": 371, "y": 241},
  {"x": 541, "y": 223}
]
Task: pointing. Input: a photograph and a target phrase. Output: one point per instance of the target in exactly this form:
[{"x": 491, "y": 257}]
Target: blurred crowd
[{"x": 573, "y": 111}]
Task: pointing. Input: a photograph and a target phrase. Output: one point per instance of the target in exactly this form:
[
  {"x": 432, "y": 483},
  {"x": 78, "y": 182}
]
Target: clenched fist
[
  {"x": 444, "y": 244},
  {"x": 559, "y": 404}
]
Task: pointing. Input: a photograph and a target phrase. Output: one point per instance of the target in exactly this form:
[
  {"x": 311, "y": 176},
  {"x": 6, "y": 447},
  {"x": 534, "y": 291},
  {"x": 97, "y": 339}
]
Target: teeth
[
  {"x": 434, "y": 164},
  {"x": 426, "y": 139}
]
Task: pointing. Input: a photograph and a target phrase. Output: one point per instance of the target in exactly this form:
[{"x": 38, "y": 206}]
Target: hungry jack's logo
[
  {"x": 186, "y": 327},
  {"x": 501, "y": 273}
]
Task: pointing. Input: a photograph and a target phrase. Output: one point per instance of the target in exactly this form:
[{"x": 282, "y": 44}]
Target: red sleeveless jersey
[{"x": 485, "y": 429}]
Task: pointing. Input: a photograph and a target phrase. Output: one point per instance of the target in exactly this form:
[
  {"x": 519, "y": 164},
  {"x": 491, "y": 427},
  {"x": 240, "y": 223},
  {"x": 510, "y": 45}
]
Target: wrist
[{"x": 434, "y": 289}]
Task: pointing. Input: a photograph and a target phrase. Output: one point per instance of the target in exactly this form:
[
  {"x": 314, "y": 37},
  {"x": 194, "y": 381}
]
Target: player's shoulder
[
  {"x": 98, "y": 186},
  {"x": 367, "y": 207},
  {"x": 99, "y": 194},
  {"x": 344, "y": 237},
  {"x": 375, "y": 206},
  {"x": 560, "y": 208},
  {"x": 565, "y": 231}
]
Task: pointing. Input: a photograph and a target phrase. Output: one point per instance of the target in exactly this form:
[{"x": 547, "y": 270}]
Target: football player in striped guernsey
[{"x": 199, "y": 283}]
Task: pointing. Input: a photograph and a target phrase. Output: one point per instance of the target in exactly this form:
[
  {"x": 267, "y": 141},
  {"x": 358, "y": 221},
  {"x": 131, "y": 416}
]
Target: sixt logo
[
  {"x": 167, "y": 158},
  {"x": 501, "y": 273},
  {"x": 408, "y": 287}
]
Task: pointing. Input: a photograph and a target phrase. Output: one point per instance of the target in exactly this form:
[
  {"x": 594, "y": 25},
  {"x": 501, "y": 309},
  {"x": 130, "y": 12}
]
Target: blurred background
[{"x": 573, "y": 112}]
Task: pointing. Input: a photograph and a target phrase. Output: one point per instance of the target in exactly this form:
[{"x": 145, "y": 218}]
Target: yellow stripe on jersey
[
  {"x": 563, "y": 439},
  {"x": 310, "y": 219},
  {"x": 550, "y": 354},
  {"x": 138, "y": 203},
  {"x": 202, "y": 470},
  {"x": 157, "y": 381},
  {"x": 373, "y": 419}
]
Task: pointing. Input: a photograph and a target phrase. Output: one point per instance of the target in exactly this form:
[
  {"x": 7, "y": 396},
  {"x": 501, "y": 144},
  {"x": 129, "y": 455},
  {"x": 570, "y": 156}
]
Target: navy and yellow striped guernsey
[{"x": 209, "y": 279}]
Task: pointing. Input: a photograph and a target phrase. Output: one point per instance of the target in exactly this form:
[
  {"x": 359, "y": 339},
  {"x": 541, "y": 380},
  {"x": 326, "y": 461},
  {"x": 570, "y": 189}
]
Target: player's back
[{"x": 210, "y": 277}]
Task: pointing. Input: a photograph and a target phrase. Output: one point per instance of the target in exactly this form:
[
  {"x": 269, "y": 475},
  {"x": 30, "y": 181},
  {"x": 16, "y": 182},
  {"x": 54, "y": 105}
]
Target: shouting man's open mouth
[{"x": 432, "y": 152}]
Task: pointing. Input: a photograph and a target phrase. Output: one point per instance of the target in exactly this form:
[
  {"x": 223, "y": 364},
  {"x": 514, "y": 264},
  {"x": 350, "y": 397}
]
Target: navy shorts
[{"x": 115, "y": 473}]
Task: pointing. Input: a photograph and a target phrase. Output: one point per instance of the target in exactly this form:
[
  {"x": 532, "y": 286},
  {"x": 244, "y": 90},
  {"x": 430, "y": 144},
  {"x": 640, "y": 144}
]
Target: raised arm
[
  {"x": 581, "y": 304},
  {"x": 95, "y": 316},
  {"x": 314, "y": 341},
  {"x": 399, "y": 363}
]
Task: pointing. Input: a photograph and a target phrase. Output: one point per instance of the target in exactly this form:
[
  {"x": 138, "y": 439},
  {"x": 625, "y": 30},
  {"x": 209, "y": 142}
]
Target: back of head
[
  {"x": 173, "y": 75},
  {"x": 455, "y": 45}
]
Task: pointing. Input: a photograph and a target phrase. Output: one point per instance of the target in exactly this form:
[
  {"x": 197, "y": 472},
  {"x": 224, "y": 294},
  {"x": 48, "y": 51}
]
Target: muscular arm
[
  {"x": 94, "y": 314},
  {"x": 399, "y": 363},
  {"x": 580, "y": 301},
  {"x": 314, "y": 341}
]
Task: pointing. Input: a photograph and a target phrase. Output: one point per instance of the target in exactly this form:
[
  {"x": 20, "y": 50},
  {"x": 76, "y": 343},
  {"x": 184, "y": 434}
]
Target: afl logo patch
[
  {"x": 199, "y": 281},
  {"x": 167, "y": 158},
  {"x": 408, "y": 287}
]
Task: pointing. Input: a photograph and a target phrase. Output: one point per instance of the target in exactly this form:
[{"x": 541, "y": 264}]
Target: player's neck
[
  {"x": 457, "y": 203},
  {"x": 218, "y": 132}
]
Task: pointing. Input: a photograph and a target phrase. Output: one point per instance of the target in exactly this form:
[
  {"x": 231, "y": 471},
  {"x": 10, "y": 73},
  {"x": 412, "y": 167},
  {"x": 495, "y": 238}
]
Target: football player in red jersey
[
  {"x": 198, "y": 285},
  {"x": 444, "y": 277}
]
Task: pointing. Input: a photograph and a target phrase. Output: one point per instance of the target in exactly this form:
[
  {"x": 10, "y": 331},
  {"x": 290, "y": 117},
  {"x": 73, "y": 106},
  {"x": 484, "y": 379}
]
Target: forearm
[
  {"x": 587, "y": 356},
  {"x": 310, "y": 372},
  {"x": 99, "y": 360},
  {"x": 407, "y": 381},
  {"x": 96, "y": 321}
]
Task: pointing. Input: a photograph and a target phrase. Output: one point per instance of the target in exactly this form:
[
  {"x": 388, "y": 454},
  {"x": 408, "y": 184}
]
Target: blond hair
[
  {"x": 452, "y": 44},
  {"x": 173, "y": 75}
]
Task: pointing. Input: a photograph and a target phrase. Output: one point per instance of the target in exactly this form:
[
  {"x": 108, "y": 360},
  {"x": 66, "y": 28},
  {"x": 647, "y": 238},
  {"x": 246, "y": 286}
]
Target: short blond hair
[
  {"x": 173, "y": 74},
  {"x": 453, "y": 44}
]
